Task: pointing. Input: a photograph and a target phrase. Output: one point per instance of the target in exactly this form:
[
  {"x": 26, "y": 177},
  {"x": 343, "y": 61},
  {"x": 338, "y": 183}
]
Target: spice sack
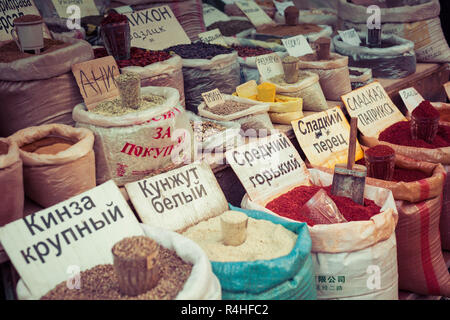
[
  {"x": 11, "y": 182},
  {"x": 132, "y": 146},
  {"x": 359, "y": 257},
  {"x": 58, "y": 162}
]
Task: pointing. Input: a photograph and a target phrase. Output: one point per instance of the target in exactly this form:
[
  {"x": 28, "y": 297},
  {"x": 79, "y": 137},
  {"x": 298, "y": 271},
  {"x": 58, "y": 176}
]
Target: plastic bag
[
  {"x": 308, "y": 88},
  {"x": 202, "y": 75},
  {"x": 52, "y": 178},
  {"x": 418, "y": 23},
  {"x": 289, "y": 277},
  {"x": 11, "y": 184},
  {"x": 321, "y": 209},
  {"x": 135, "y": 145},
  {"x": 202, "y": 284},
  {"x": 334, "y": 76}
]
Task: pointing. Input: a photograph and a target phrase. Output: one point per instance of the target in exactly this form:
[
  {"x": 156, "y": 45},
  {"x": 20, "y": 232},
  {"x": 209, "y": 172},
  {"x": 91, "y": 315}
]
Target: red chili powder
[
  {"x": 405, "y": 175},
  {"x": 289, "y": 204},
  {"x": 425, "y": 111},
  {"x": 380, "y": 151},
  {"x": 114, "y": 17},
  {"x": 400, "y": 134}
]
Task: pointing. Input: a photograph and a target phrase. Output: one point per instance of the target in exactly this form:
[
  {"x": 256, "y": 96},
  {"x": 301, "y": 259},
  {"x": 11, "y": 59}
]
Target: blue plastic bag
[{"x": 290, "y": 277}]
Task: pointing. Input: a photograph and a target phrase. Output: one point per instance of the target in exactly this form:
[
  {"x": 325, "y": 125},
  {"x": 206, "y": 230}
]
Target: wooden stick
[{"x": 352, "y": 143}]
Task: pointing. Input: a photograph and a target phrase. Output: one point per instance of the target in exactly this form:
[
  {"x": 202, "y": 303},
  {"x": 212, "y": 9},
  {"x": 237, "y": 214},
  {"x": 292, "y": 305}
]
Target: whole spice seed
[
  {"x": 289, "y": 204},
  {"x": 265, "y": 240},
  {"x": 205, "y": 129},
  {"x": 114, "y": 107},
  {"x": 199, "y": 50},
  {"x": 138, "y": 57},
  {"x": 280, "y": 79},
  {"x": 248, "y": 51},
  {"x": 400, "y": 134},
  {"x": 129, "y": 85},
  {"x": 101, "y": 283},
  {"x": 229, "y": 107},
  {"x": 232, "y": 27}
]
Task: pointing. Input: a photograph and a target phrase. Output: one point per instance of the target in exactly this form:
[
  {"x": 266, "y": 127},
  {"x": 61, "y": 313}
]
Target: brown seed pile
[
  {"x": 134, "y": 247},
  {"x": 115, "y": 108},
  {"x": 205, "y": 129},
  {"x": 280, "y": 79},
  {"x": 228, "y": 107},
  {"x": 100, "y": 282}
]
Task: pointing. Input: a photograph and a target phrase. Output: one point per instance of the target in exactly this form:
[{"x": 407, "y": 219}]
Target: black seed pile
[{"x": 199, "y": 50}]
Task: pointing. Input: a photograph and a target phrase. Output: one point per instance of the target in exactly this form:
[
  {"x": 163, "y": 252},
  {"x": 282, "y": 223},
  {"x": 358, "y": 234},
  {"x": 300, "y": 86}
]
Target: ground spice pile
[
  {"x": 228, "y": 107},
  {"x": 232, "y": 27},
  {"x": 281, "y": 80},
  {"x": 265, "y": 240},
  {"x": 400, "y": 134},
  {"x": 48, "y": 145},
  {"x": 138, "y": 57},
  {"x": 425, "y": 111},
  {"x": 285, "y": 30},
  {"x": 9, "y": 52},
  {"x": 289, "y": 204},
  {"x": 100, "y": 282},
  {"x": 404, "y": 175},
  {"x": 114, "y": 107}
]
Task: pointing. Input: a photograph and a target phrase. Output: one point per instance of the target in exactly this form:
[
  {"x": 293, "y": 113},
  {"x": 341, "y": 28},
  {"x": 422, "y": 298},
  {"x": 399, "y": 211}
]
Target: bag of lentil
[
  {"x": 307, "y": 87},
  {"x": 124, "y": 143},
  {"x": 248, "y": 50},
  {"x": 250, "y": 114},
  {"x": 421, "y": 265},
  {"x": 58, "y": 162},
  {"x": 418, "y": 23},
  {"x": 11, "y": 182},
  {"x": 334, "y": 75},
  {"x": 315, "y": 16},
  {"x": 239, "y": 27},
  {"x": 289, "y": 277},
  {"x": 39, "y": 89},
  {"x": 311, "y": 32},
  {"x": 215, "y": 67},
  {"x": 396, "y": 60},
  {"x": 201, "y": 284},
  {"x": 361, "y": 265}
]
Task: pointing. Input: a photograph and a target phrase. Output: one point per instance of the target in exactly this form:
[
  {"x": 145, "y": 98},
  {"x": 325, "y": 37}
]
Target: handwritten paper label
[
  {"x": 350, "y": 36},
  {"x": 254, "y": 13},
  {"x": 78, "y": 232},
  {"x": 411, "y": 98},
  {"x": 297, "y": 46},
  {"x": 156, "y": 29},
  {"x": 268, "y": 166},
  {"x": 373, "y": 107},
  {"x": 213, "y": 98},
  {"x": 213, "y": 36},
  {"x": 178, "y": 198},
  {"x": 10, "y": 10},
  {"x": 83, "y": 7},
  {"x": 96, "y": 80},
  {"x": 269, "y": 65},
  {"x": 324, "y": 138},
  {"x": 447, "y": 89},
  {"x": 212, "y": 14},
  {"x": 281, "y": 6},
  {"x": 123, "y": 9}
]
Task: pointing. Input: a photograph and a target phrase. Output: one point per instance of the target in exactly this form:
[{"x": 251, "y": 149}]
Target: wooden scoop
[{"x": 349, "y": 180}]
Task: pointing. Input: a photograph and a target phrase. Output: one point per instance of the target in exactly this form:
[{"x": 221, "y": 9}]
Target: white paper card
[
  {"x": 350, "y": 36},
  {"x": 411, "y": 98},
  {"x": 212, "y": 14},
  {"x": 281, "y": 6},
  {"x": 77, "y": 233},
  {"x": 254, "y": 13},
  {"x": 297, "y": 46},
  {"x": 212, "y": 36},
  {"x": 269, "y": 65}
]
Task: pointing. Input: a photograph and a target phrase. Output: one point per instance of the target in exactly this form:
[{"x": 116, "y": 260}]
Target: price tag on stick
[
  {"x": 213, "y": 98},
  {"x": 84, "y": 8},
  {"x": 411, "y": 98},
  {"x": 350, "y": 36},
  {"x": 269, "y": 65},
  {"x": 213, "y": 36},
  {"x": 297, "y": 46}
]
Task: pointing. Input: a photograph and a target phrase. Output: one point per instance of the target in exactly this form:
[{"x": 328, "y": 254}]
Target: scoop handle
[{"x": 352, "y": 143}]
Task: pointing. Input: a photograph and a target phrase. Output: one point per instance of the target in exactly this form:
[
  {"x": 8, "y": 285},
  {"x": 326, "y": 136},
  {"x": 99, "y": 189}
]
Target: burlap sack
[
  {"x": 11, "y": 184},
  {"x": 52, "y": 178},
  {"x": 41, "y": 89},
  {"x": 419, "y": 23},
  {"x": 334, "y": 76},
  {"x": 421, "y": 265},
  {"x": 135, "y": 145}
]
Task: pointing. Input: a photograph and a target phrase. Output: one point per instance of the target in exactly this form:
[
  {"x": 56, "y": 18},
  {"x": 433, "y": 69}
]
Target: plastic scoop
[{"x": 321, "y": 209}]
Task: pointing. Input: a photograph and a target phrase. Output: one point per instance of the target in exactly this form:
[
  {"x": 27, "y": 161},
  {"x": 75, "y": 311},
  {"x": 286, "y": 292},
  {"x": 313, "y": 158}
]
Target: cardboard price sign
[
  {"x": 373, "y": 107},
  {"x": 96, "y": 80},
  {"x": 297, "y": 46},
  {"x": 178, "y": 198},
  {"x": 411, "y": 98},
  {"x": 10, "y": 10},
  {"x": 212, "y": 14},
  {"x": 156, "y": 29},
  {"x": 268, "y": 166},
  {"x": 83, "y": 8},
  {"x": 350, "y": 36},
  {"x": 213, "y": 36},
  {"x": 254, "y": 13},
  {"x": 324, "y": 138},
  {"x": 213, "y": 98},
  {"x": 269, "y": 65},
  {"x": 45, "y": 247}
]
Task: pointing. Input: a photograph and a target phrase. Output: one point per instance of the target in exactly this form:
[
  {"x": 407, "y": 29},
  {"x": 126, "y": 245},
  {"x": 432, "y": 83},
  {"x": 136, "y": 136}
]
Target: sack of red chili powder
[
  {"x": 58, "y": 162},
  {"x": 132, "y": 146},
  {"x": 39, "y": 89},
  {"x": 422, "y": 267},
  {"x": 356, "y": 259},
  {"x": 11, "y": 182}
]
